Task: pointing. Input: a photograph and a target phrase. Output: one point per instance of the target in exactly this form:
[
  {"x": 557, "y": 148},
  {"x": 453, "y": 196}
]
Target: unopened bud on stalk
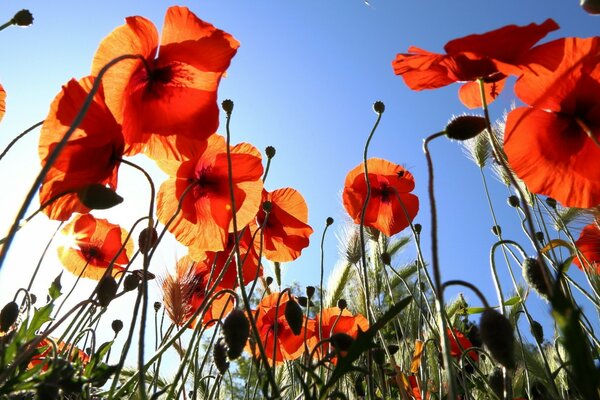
[
  {"x": 22, "y": 18},
  {"x": 539, "y": 236},
  {"x": 513, "y": 201},
  {"x": 220, "y": 356},
  {"x": 267, "y": 206},
  {"x": 131, "y": 282},
  {"x": 386, "y": 258},
  {"x": 496, "y": 382},
  {"x": 106, "y": 290},
  {"x": 329, "y": 221},
  {"x": 147, "y": 239},
  {"x": 8, "y": 316},
  {"x": 379, "y": 107},
  {"x": 270, "y": 152},
  {"x": 465, "y": 127},
  {"x": 497, "y": 230},
  {"x": 310, "y": 291},
  {"x": 342, "y": 304},
  {"x": 117, "y": 325},
  {"x": 591, "y": 6},
  {"x": 294, "y": 316},
  {"x": 236, "y": 330},
  {"x": 227, "y": 105},
  {"x": 534, "y": 276},
  {"x": 537, "y": 331},
  {"x": 418, "y": 228},
  {"x": 551, "y": 202},
  {"x": 269, "y": 280},
  {"x": 98, "y": 197},
  {"x": 497, "y": 335}
]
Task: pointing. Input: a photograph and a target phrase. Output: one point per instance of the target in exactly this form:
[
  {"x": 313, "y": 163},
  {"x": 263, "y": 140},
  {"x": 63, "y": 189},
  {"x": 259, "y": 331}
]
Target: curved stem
[{"x": 19, "y": 137}]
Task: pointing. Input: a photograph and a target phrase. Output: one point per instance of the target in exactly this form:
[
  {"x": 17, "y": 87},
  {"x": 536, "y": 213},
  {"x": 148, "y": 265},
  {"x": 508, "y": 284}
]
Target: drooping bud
[
  {"x": 227, "y": 105},
  {"x": 8, "y": 316},
  {"x": 497, "y": 334},
  {"x": 386, "y": 258},
  {"x": 236, "y": 330},
  {"x": 310, "y": 291},
  {"x": 106, "y": 290},
  {"x": 117, "y": 325},
  {"x": 465, "y": 127},
  {"x": 220, "y": 356},
  {"x": 22, "y": 18},
  {"x": 537, "y": 331},
  {"x": 418, "y": 228},
  {"x": 294, "y": 316},
  {"x": 98, "y": 197},
  {"x": 131, "y": 282},
  {"x": 551, "y": 202},
  {"x": 270, "y": 152},
  {"x": 513, "y": 201},
  {"x": 379, "y": 107},
  {"x": 534, "y": 276},
  {"x": 329, "y": 221},
  {"x": 32, "y": 298},
  {"x": 497, "y": 230},
  {"x": 147, "y": 239},
  {"x": 157, "y": 306}
]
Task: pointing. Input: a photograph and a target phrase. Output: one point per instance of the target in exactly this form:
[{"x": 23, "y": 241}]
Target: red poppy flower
[
  {"x": 185, "y": 292},
  {"x": 553, "y": 144},
  {"x": 44, "y": 349},
  {"x": 174, "y": 87},
  {"x": 90, "y": 245},
  {"x": 459, "y": 344},
  {"x": 91, "y": 156},
  {"x": 2, "y": 102},
  {"x": 491, "y": 56},
  {"x": 205, "y": 218},
  {"x": 226, "y": 260},
  {"x": 275, "y": 332},
  {"x": 286, "y": 231},
  {"x": 335, "y": 320},
  {"x": 588, "y": 244},
  {"x": 390, "y": 203}
]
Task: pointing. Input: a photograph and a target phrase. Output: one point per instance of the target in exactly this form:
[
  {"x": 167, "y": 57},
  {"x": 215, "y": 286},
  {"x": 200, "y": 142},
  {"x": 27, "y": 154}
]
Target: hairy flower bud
[
  {"x": 465, "y": 127},
  {"x": 236, "y": 330},
  {"x": 106, "y": 290},
  {"x": 22, "y": 18},
  {"x": 386, "y": 258},
  {"x": 513, "y": 201},
  {"x": 294, "y": 316},
  {"x": 8, "y": 316},
  {"x": 591, "y": 6},
  {"x": 117, "y": 325},
  {"x": 497, "y": 335},
  {"x": 534, "y": 276},
  {"x": 131, "y": 282},
  {"x": 147, "y": 239},
  {"x": 537, "y": 331},
  {"x": 220, "y": 356},
  {"x": 329, "y": 221}
]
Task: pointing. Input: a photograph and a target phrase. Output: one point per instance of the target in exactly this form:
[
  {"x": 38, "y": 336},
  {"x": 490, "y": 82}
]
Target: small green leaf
[
  {"x": 54, "y": 291},
  {"x": 40, "y": 317}
]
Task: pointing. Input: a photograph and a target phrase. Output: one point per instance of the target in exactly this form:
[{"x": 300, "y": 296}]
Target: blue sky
[{"x": 303, "y": 81}]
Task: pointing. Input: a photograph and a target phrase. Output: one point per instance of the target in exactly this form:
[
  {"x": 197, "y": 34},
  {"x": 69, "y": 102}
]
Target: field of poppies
[{"x": 223, "y": 328}]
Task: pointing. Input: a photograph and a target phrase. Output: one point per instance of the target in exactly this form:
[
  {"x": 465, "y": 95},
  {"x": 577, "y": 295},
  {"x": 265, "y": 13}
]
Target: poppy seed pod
[
  {"x": 465, "y": 127},
  {"x": 310, "y": 291},
  {"x": 551, "y": 202},
  {"x": 497, "y": 334},
  {"x": 157, "y": 306},
  {"x": 147, "y": 239},
  {"x": 294, "y": 316},
  {"x": 98, "y": 197},
  {"x": 513, "y": 201},
  {"x": 8, "y": 316},
  {"x": 22, "y": 18},
  {"x": 131, "y": 282},
  {"x": 379, "y": 107},
  {"x": 534, "y": 276},
  {"x": 418, "y": 228},
  {"x": 220, "y": 356},
  {"x": 117, "y": 325},
  {"x": 537, "y": 331},
  {"x": 269, "y": 280},
  {"x": 329, "y": 221},
  {"x": 341, "y": 342},
  {"x": 227, "y": 105},
  {"x": 342, "y": 304},
  {"x": 106, "y": 290},
  {"x": 386, "y": 258},
  {"x": 270, "y": 152},
  {"x": 267, "y": 206},
  {"x": 236, "y": 330}
]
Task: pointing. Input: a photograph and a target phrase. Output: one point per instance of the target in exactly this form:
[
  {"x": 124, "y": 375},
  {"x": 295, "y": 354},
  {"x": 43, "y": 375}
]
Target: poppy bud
[
  {"x": 418, "y": 228},
  {"x": 227, "y": 105},
  {"x": 329, "y": 221},
  {"x": 106, "y": 290},
  {"x": 117, "y": 325},
  {"x": 98, "y": 197},
  {"x": 539, "y": 236},
  {"x": 386, "y": 258},
  {"x": 537, "y": 331},
  {"x": 8, "y": 316},
  {"x": 270, "y": 152},
  {"x": 378, "y": 355},
  {"x": 236, "y": 330},
  {"x": 496, "y": 382},
  {"x": 310, "y": 291},
  {"x": 294, "y": 316},
  {"x": 302, "y": 300},
  {"x": 131, "y": 282},
  {"x": 220, "y": 356},
  {"x": 551, "y": 202},
  {"x": 157, "y": 306},
  {"x": 32, "y": 298},
  {"x": 393, "y": 349},
  {"x": 147, "y": 239},
  {"x": 465, "y": 127},
  {"x": 497, "y": 335},
  {"x": 267, "y": 206},
  {"x": 269, "y": 280},
  {"x": 22, "y": 18},
  {"x": 341, "y": 342},
  {"x": 534, "y": 276},
  {"x": 379, "y": 107},
  {"x": 342, "y": 304},
  {"x": 513, "y": 201},
  {"x": 591, "y": 6},
  {"x": 497, "y": 230}
]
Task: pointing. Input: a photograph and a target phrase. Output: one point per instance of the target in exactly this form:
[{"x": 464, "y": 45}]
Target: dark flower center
[{"x": 91, "y": 254}]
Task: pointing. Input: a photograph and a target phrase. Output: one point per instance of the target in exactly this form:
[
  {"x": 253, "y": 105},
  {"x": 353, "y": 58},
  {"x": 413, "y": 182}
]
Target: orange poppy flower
[
  {"x": 44, "y": 350},
  {"x": 91, "y": 244},
  {"x": 458, "y": 345},
  {"x": 185, "y": 292},
  {"x": 588, "y": 244},
  {"x": 390, "y": 202},
  {"x": 553, "y": 144},
  {"x": 335, "y": 320},
  {"x": 174, "y": 86},
  {"x": 491, "y": 56},
  {"x": 286, "y": 232},
  {"x": 221, "y": 260},
  {"x": 275, "y": 332},
  {"x": 91, "y": 156},
  {"x": 205, "y": 218},
  {"x": 2, "y": 101}
]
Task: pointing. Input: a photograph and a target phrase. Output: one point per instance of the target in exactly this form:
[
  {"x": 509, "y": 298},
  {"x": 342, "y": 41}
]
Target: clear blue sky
[{"x": 303, "y": 81}]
